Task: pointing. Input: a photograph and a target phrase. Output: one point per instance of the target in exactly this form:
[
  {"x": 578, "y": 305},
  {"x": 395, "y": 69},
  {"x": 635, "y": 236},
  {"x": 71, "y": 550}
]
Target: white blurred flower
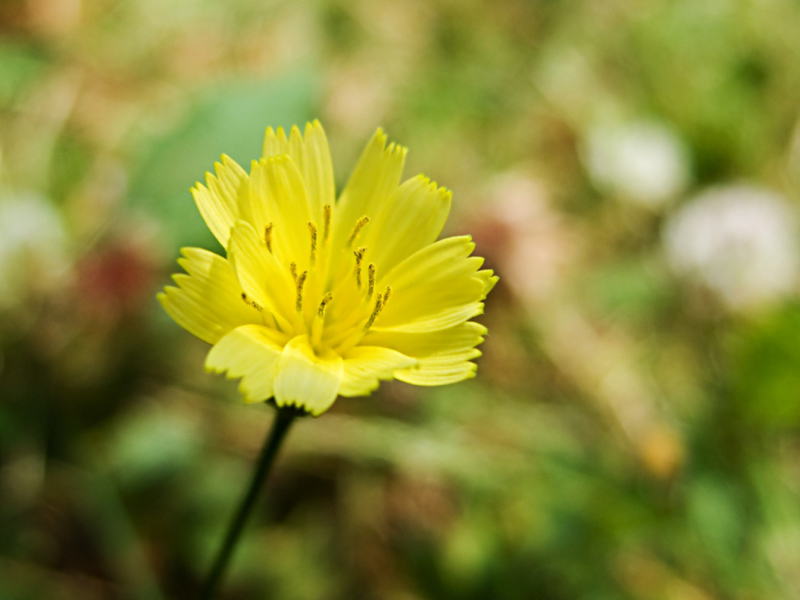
[
  {"x": 641, "y": 162},
  {"x": 739, "y": 240},
  {"x": 32, "y": 246}
]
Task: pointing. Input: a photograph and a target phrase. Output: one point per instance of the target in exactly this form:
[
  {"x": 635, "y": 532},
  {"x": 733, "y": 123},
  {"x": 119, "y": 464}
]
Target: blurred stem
[{"x": 280, "y": 426}]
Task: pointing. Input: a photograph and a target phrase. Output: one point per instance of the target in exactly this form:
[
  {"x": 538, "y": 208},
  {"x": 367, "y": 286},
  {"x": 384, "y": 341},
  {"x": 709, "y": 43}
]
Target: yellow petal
[
  {"x": 437, "y": 375},
  {"x": 365, "y": 366},
  {"x": 208, "y": 302},
  {"x": 280, "y": 200},
  {"x": 434, "y": 289},
  {"x": 306, "y": 379},
  {"x": 443, "y": 355},
  {"x": 452, "y": 345},
  {"x": 275, "y": 143},
  {"x": 252, "y": 353},
  {"x": 489, "y": 280},
  {"x": 312, "y": 156},
  {"x": 445, "y": 258},
  {"x": 219, "y": 202},
  {"x": 374, "y": 178},
  {"x": 411, "y": 219},
  {"x": 260, "y": 276}
]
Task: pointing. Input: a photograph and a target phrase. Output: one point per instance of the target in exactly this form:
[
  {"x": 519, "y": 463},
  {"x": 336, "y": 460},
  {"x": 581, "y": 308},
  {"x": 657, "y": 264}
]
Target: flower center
[
  {"x": 348, "y": 305},
  {"x": 346, "y": 310}
]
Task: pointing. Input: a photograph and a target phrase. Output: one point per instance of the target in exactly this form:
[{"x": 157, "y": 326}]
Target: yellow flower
[{"x": 319, "y": 298}]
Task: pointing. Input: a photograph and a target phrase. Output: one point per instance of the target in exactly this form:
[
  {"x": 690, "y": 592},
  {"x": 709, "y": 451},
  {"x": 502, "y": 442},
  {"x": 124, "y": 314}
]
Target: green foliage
[
  {"x": 20, "y": 65},
  {"x": 222, "y": 118},
  {"x": 764, "y": 367}
]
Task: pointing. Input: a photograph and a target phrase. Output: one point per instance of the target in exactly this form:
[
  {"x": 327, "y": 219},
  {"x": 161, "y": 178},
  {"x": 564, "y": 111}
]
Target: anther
[
  {"x": 325, "y": 300},
  {"x": 293, "y": 271},
  {"x": 301, "y": 280},
  {"x": 387, "y": 295},
  {"x": 251, "y": 302},
  {"x": 371, "y": 280},
  {"x": 268, "y": 236},
  {"x": 312, "y": 230},
  {"x": 326, "y": 220},
  {"x": 380, "y": 302},
  {"x": 357, "y": 229},
  {"x": 359, "y": 257}
]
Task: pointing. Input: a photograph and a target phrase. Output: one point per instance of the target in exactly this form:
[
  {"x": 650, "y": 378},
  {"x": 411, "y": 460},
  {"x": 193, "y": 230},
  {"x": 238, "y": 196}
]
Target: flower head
[
  {"x": 319, "y": 298},
  {"x": 740, "y": 241}
]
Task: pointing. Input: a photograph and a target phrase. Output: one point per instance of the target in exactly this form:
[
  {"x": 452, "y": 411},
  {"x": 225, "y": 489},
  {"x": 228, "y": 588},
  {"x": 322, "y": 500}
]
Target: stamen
[
  {"x": 268, "y": 236},
  {"x": 380, "y": 302},
  {"x": 359, "y": 257},
  {"x": 374, "y": 315},
  {"x": 371, "y": 276},
  {"x": 325, "y": 300},
  {"x": 251, "y": 302},
  {"x": 326, "y": 220},
  {"x": 301, "y": 280},
  {"x": 312, "y": 230},
  {"x": 387, "y": 295},
  {"x": 293, "y": 271},
  {"x": 357, "y": 229}
]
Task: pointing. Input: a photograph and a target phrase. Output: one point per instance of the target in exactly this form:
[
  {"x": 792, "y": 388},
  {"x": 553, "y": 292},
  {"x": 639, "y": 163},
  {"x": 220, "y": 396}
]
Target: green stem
[{"x": 280, "y": 426}]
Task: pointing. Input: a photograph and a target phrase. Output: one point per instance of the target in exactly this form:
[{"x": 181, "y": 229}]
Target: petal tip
[
  {"x": 314, "y": 127},
  {"x": 276, "y": 160}
]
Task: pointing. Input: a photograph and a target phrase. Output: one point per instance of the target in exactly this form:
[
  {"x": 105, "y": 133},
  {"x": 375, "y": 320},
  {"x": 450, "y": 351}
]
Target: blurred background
[{"x": 630, "y": 169}]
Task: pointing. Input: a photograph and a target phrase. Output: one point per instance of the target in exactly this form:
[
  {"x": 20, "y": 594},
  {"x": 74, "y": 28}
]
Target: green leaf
[
  {"x": 765, "y": 369},
  {"x": 228, "y": 119}
]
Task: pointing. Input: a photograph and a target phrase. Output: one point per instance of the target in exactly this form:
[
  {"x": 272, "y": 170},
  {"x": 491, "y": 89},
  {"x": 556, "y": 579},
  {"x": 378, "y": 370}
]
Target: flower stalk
[{"x": 284, "y": 418}]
